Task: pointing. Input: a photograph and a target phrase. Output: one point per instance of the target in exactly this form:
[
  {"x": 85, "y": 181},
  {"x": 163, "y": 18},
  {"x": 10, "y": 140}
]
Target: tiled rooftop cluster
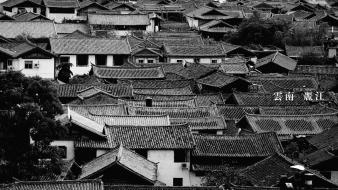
[{"x": 158, "y": 97}]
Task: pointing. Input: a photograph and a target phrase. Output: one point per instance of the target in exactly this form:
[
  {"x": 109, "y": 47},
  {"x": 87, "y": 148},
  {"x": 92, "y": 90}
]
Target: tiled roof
[
  {"x": 167, "y": 67},
  {"x": 326, "y": 140},
  {"x": 122, "y": 120},
  {"x": 103, "y": 109},
  {"x": 167, "y": 103},
  {"x": 28, "y": 16},
  {"x": 208, "y": 13},
  {"x": 71, "y": 90},
  {"x": 89, "y": 46},
  {"x": 299, "y": 51},
  {"x": 163, "y": 97},
  {"x": 194, "y": 71},
  {"x": 13, "y": 3},
  {"x": 260, "y": 145},
  {"x": 219, "y": 79},
  {"x": 119, "y": 19},
  {"x": 235, "y": 68},
  {"x": 165, "y": 91},
  {"x": 88, "y": 3},
  {"x": 206, "y": 123},
  {"x": 68, "y": 28},
  {"x": 209, "y": 99},
  {"x": 316, "y": 69},
  {"x": 278, "y": 59},
  {"x": 265, "y": 99},
  {"x": 92, "y": 91},
  {"x": 145, "y": 84},
  {"x": 86, "y": 123},
  {"x": 128, "y": 72},
  {"x": 177, "y": 41},
  {"x": 231, "y": 112},
  {"x": 273, "y": 84},
  {"x": 142, "y": 187},
  {"x": 268, "y": 171},
  {"x": 151, "y": 137},
  {"x": 17, "y": 49},
  {"x": 94, "y": 184},
  {"x": 61, "y": 3},
  {"x": 286, "y": 125},
  {"x": 181, "y": 112},
  {"x": 217, "y": 26},
  {"x": 36, "y": 29},
  {"x": 194, "y": 51},
  {"x": 298, "y": 110},
  {"x": 121, "y": 156},
  {"x": 317, "y": 157}
]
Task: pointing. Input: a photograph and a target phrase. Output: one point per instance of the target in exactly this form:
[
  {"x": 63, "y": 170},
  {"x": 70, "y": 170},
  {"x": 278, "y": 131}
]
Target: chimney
[{"x": 149, "y": 102}]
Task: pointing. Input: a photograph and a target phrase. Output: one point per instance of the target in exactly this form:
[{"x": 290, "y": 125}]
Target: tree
[
  {"x": 65, "y": 73},
  {"x": 256, "y": 30},
  {"x": 28, "y": 107}
]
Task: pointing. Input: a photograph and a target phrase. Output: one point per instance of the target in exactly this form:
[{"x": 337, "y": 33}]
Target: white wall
[
  {"x": 208, "y": 60},
  {"x": 99, "y": 152},
  {"x": 58, "y": 17},
  {"x": 68, "y": 144},
  {"x": 45, "y": 69},
  {"x": 192, "y": 60},
  {"x": 192, "y": 22},
  {"x": 167, "y": 168},
  {"x": 146, "y": 60},
  {"x": 15, "y": 10},
  {"x": 332, "y": 52},
  {"x": 174, "y": 60},
  {"x": 80, "y": 70},
  {"x": 334, "y": 176},
  {"x": 110, "y": 60}
]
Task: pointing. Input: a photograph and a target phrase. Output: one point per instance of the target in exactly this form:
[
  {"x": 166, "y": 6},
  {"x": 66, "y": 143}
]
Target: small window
[
  {"x": 214, "y": 61},
  {"x": 179, "y": 61},
  {"x": 62, "y": 151},
  {"x": 178, "y": 182},
  {"x": 64, "y": 59},
  {"x": 140, "y": 61},
  {"x": 196, "y": 60},
  {"x": 180, "y": 156},
  {"x": 101, "y": 60},
  {"x": 28, "y": 64},
  {"x": 82, "y": 60},
  {"x": 9, "y": 62},
  {"x": 150, "y": 61},
  {"x": 34, "y": 10},
  {"x": 142, "y": 152}
]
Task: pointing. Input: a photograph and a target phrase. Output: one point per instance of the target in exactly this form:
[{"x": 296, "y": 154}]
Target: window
[
  {"x": 21, "y": 10},
  {"x": 34, "y": 10},
  {"x": 28, "y": 64},
  {"x": 100, "y": 59},
  {"x": 214, "y": 61},
  {"x": 142, "y": 152},
  {"x": 196, "y": 60},
  {"x": 9, "y": 62},
  {"x": 82, "y": 60},
  {"x": 140, "y": 61},
  {"x": 61, "y": 10},
  {"x": 150, "y": 61},
  {"x": 178, "y": 182},
  {"x": 62, "y": 150},
  {"x": 64, "y": 59},
  {"x": 180, "y": 156},
  {"x": 179, "y": 61}
]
